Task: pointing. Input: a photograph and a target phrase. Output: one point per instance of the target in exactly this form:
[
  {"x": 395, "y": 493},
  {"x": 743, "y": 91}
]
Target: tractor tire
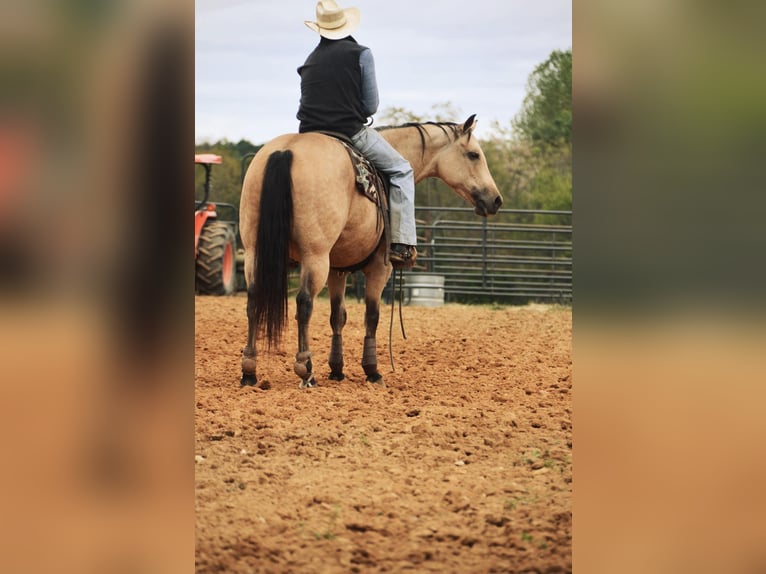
[
  {"x": 241, "y": 283},
  {"x": 216, "y": 269}
]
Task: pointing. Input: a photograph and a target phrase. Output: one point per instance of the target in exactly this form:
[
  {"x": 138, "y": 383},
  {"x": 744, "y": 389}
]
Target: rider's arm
[{"x": 369, "y": 83}]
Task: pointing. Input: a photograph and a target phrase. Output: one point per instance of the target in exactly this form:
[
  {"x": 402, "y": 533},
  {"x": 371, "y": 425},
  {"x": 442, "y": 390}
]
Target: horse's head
[{"x": 463, "y": 167}]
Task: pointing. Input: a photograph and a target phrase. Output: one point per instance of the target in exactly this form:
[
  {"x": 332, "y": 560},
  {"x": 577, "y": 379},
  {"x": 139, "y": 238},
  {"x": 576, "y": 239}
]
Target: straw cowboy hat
[{"x": 333, "y": 22}]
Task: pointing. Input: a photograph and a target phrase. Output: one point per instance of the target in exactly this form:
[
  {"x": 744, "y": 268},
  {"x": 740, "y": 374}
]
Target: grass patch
[
  {"x": 513, "y": 503},
  {"x": 534, "y": 455},
  {"x": 329, "y": 532},
  {"x": 326, "y": 535}
]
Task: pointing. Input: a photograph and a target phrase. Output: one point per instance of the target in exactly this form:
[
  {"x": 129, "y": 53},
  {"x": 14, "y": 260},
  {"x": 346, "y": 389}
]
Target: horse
[{"x": 300, "y": 203}]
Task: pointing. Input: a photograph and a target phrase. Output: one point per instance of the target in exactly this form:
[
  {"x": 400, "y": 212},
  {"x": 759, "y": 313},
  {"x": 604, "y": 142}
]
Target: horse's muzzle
[{"x": 486, "y": 203}]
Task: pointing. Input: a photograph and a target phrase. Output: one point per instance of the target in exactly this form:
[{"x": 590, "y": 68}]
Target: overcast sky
[{"x": 476, "y": 54}]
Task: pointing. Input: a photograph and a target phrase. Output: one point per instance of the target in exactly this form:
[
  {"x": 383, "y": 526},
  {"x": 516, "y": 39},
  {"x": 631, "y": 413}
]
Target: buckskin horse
[{"x": 300, "y": 202}]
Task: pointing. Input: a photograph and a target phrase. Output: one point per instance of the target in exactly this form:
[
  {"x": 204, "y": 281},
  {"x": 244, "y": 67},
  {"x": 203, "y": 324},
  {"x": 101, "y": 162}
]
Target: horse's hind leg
[
  {"x": 313, "y": 277},
  {"x": 248, "y": 353},
  {"x": 337, "y": 285},
  {"x": 377, "y": 276}
]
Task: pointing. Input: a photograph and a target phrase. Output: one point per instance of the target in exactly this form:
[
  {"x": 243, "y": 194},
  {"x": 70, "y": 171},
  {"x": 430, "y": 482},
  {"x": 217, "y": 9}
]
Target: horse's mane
[{"x": 446, "y": 127}]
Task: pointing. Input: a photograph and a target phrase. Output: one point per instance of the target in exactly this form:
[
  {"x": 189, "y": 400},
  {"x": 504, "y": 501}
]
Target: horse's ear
[{"x": 469, "y": 124}]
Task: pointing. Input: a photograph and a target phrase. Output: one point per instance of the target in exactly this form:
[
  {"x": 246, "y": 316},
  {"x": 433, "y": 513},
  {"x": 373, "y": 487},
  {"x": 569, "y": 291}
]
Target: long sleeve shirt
[{"x": 369, "y": 82}]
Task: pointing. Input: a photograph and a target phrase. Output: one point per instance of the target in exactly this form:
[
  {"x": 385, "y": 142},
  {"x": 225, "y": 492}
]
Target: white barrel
[{"x": 424, "y": 289}]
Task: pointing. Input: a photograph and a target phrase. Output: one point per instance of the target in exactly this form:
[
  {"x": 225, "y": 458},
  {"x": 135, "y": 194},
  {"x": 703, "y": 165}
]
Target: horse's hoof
[
  {"x": 302, "y": 365},
  {"x": 248, "y": 381},
  {"x": 337, "y": 376},
  {"x": 376, "y": 379},
  {"x": 310, "y": 384}
]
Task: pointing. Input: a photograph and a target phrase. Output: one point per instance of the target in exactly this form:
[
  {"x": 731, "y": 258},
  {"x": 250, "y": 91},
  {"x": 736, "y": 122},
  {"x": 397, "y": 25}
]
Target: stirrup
[{"x": 402, "y": 256}]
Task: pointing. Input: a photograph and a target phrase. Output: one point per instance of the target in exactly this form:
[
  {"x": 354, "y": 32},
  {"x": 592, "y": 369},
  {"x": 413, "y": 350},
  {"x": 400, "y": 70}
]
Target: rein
[{"x": 401, "y": 321}]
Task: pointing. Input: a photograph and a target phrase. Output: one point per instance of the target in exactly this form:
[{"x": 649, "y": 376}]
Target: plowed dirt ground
[{"x": 461, "y": 463}]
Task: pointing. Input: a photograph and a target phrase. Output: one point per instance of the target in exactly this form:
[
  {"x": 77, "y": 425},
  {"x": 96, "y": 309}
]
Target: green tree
[
  {"x": 531, "y": 160},
  {"x": 528, "y": 175},
  {"x": 546, "y": 114},
  {"x": 226, "y": 178}
]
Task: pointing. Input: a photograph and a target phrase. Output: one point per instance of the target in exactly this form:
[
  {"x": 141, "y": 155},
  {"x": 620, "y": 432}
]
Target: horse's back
[
  {"x": 314, "y": 155},
  {"x": 323, "y": 187}
]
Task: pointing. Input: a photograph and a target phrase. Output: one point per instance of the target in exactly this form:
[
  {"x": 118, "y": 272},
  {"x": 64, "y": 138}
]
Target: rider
[{"x": 338, "y": 93}]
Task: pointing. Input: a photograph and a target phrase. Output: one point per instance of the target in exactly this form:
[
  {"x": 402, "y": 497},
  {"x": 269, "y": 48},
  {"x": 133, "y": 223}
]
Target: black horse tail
[{"x": 272, "y": 255}]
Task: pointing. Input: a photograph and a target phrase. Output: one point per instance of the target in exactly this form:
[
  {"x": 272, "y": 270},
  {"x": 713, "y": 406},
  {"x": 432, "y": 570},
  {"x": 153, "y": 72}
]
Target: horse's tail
[{"x": 272, "y": 256}]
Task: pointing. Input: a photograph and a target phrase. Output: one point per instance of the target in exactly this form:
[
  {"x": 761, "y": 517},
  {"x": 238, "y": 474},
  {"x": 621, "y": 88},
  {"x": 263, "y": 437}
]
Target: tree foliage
[
  {"x": 226, "y": 178},
  {"x": 528, "y": 175},
  {"x": 546, "y": 114},
  {"x": 532, "y": 160}
]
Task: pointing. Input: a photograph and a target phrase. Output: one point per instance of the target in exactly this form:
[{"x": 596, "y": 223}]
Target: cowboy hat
[{"x": 333, "y": 22}]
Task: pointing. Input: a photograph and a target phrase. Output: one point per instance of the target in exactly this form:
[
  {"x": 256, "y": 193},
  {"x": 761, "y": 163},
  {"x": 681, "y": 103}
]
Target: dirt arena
[{"x": 462, "y": 463}]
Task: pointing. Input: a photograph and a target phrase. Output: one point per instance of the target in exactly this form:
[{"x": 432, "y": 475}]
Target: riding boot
[{"x": 402, "y": 256}]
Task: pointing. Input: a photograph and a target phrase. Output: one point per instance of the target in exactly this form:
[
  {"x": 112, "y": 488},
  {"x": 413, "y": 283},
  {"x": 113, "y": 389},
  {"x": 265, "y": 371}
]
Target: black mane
[{"x": 446, "y": 127}]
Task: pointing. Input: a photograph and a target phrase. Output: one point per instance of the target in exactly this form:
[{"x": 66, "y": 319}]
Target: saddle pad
[{"x": 369, "y": 181}]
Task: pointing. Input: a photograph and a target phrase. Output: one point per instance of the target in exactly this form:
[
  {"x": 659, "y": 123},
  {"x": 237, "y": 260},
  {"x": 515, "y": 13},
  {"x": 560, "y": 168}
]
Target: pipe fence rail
[{"x": 514, "y": 255}]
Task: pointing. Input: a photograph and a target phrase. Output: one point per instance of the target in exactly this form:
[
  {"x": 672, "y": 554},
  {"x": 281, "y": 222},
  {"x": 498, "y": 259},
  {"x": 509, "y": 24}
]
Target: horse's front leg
[
  {"x": 377, "y": 276},
  {"x": 337, "y": 286},
  {"x": 313, "y": 277}
]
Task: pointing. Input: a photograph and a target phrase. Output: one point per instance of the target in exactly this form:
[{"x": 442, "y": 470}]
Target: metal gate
[{"x": 513, "y": 256}]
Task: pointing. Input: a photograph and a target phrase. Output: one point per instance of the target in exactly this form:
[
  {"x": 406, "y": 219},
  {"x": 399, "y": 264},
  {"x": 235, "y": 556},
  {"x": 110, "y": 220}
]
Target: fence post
[{"x": 484, "y": 254}]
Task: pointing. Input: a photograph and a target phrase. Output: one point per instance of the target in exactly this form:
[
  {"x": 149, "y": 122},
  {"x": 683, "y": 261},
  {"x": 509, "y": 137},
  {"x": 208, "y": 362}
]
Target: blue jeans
[{"x": 402, "y": 189}]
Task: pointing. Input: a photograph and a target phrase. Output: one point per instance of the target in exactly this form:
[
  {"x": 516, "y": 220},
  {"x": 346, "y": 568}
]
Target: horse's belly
[
  {"x": 353, "y": 248},
  {"x": 360, "y": 236}
]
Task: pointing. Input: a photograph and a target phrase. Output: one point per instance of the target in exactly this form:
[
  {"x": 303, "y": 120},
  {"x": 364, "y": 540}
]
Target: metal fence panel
[{"x": 514, "y": 255}]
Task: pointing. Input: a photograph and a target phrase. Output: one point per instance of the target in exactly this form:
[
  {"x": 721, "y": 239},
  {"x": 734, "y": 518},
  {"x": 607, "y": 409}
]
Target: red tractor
[{"x": 215, "y": 239}]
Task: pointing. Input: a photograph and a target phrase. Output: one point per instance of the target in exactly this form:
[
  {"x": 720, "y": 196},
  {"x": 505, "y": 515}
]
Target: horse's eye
[{"x": 472, "y": 155}]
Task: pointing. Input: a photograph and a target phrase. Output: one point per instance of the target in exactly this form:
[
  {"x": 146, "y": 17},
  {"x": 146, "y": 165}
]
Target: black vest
[{"x": 331, "y": 88}]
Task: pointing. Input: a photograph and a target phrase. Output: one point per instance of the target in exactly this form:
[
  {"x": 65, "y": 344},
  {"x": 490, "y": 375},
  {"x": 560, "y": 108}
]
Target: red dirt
[{"x": 462, "y": 463}]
